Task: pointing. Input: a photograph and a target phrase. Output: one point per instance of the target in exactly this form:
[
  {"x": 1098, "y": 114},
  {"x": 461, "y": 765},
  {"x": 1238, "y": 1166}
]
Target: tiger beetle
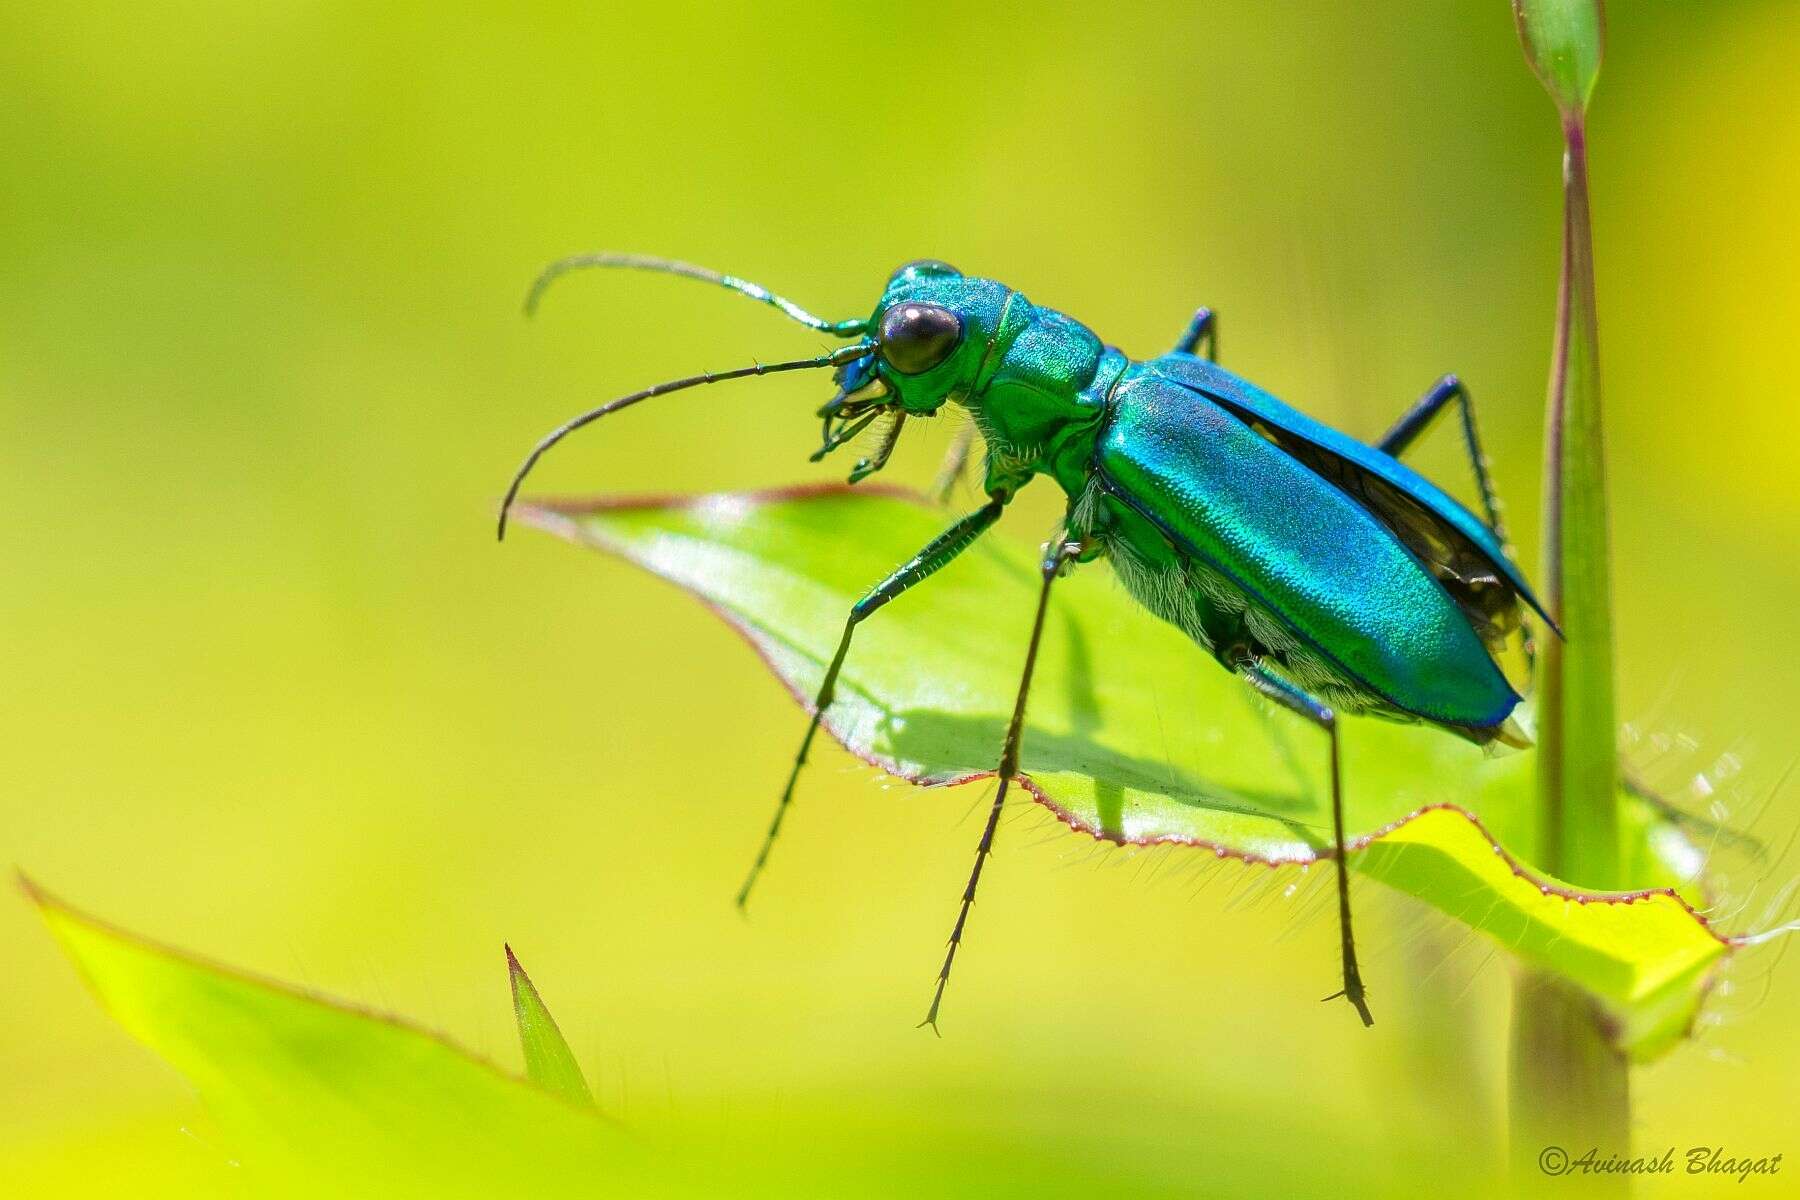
[{"x": 1324, "y": 572}]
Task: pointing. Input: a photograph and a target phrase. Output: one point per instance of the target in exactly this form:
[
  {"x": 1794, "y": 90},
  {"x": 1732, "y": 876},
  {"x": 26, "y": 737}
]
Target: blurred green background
[{"x": 272, "y": 692}]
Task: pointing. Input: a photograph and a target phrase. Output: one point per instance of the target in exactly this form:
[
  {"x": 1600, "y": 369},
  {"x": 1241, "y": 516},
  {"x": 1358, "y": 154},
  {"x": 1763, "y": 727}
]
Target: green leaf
[
  {"x": 319, "y": 1099},
  {"x": 1564, "y": 41},
  {"x": 548, "y": 1060},
  {"x": 1135, "y": 736},
  {"x": 312, "y": 1099}
]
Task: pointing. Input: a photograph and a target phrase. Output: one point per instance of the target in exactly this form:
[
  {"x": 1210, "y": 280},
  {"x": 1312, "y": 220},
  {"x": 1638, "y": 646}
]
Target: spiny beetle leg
[
  {"x": 1203, "y": 328},
  {"x": 1058, "y": 557},
  {"x": 1397, "y": 440},
  {"x": 883, "y": 452},
  {"x": 1416, "y": 420},
  {"x": 936, "y": 554},
  {"x": 1292, "y": 698}
]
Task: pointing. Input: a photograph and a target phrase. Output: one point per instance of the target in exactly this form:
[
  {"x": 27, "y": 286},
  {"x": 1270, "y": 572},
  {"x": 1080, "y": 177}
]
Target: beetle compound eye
[{"x": 917, "y": 337}]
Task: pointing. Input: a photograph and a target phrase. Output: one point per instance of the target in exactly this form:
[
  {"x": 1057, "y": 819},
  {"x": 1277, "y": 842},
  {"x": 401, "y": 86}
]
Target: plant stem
[
  {"x": 1578, "y": 835},
  {"x": 1570, "y": 1088}
]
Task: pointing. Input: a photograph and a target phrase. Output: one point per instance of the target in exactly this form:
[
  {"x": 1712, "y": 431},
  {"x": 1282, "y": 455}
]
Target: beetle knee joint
[{"x": 1062, "y": 559}]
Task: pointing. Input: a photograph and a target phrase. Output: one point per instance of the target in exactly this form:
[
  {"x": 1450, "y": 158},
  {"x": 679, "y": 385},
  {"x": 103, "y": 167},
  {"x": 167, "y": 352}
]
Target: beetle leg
[
  {"x": 1292, "y": 698},
  {"x": 1203, "y": 327},
  {"x": 1416, "y": 420},
  {"x": 956, "y": 461},
  {"x": 1633, "y": 783},
  {"x": 936, "y": 554},
  {"x": 1056, "y": 559},
  {"x": 883, "y": 452}
]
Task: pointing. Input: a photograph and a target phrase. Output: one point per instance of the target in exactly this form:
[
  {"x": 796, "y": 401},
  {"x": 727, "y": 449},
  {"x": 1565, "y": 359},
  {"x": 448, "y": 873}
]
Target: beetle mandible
[{"x": 1323, "y": 571}]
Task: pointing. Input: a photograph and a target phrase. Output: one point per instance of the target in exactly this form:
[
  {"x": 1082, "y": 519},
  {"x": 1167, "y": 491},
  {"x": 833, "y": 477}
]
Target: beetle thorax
[
  {"x": 1034, "y": 379},
  {"x": 1043, "y": 395}
]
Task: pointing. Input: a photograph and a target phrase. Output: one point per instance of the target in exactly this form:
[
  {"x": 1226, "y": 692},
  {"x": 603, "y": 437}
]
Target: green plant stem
[
  {"x": 1578, "y": 837},
  {"x": 1569, "y": 1086}
]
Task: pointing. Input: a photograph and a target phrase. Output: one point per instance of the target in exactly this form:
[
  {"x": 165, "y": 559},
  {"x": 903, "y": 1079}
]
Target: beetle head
[
  {"x": 927, "y": 343},
  {"x": 927, "y": 337}
]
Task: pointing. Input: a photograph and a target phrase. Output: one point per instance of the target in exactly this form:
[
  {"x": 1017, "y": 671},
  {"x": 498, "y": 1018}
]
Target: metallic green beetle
[{"x": 1323, "y": 571}]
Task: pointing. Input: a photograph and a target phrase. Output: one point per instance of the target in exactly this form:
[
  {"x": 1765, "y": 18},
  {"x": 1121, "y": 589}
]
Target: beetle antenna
[
  {"x": 836, "y": 358},
  {"x": 670, "y": 266}
]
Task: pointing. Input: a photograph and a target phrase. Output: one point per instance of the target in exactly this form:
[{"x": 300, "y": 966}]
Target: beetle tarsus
[{"x": 1353, "y": 992}]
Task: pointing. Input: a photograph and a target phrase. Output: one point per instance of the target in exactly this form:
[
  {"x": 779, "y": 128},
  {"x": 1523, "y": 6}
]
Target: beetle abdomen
[{"x": 1328, "y": 592}]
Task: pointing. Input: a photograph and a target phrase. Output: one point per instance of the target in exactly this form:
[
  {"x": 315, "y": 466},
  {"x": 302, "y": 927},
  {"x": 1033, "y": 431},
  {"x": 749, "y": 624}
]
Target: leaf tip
[
  {"x": 29, "y": 886},
  {"x": 549, "y": 1062},
  {"x": 52, "y": 908},
  {"x": 1564, "y": 41}
]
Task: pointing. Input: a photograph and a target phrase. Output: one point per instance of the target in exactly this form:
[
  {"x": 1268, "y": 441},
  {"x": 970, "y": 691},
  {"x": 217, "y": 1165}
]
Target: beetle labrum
[{"x": 1323, "y": 571}]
